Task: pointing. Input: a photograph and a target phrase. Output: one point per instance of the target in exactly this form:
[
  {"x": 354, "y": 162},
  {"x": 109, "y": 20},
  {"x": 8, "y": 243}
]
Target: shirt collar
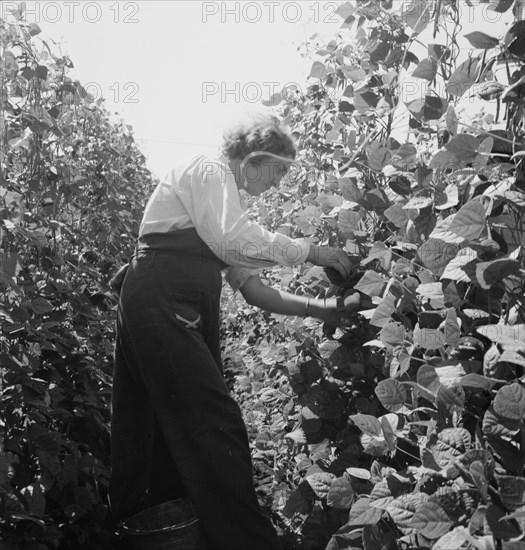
[{"x": 219, "y": 155}]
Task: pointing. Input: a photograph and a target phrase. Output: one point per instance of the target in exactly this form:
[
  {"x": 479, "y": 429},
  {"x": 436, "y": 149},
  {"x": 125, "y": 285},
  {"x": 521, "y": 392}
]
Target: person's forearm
[
  {"x": 313, "y": 254},
  {"x": 282, "y": 302}
]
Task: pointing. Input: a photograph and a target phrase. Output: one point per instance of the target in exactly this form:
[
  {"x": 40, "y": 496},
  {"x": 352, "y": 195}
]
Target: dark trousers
[{"x": 175, "y": 430}]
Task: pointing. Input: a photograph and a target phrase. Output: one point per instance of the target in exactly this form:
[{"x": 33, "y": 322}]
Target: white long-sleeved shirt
[{"x": 202, "y": 193}]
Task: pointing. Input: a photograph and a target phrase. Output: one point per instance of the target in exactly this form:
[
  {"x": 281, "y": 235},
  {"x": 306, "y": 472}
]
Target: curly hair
[{"x": 262, "y": 132}]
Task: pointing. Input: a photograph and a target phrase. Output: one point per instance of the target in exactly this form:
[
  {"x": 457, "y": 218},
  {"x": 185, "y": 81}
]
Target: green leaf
[
  {"x": 392, "y": 334},
  {"x": 400, "y": 184},
  {"x": 364, "y": 101},
  {"x": 381, "y": 491},
  {"x": 499, "y": 526},
  {"x": 438, "y": 51},
  {"x": 450, "y": 375},
  {"x": 371, "y": 284},
  {"x": 41, "y": 72},
  {"x": 321, "y": 483},
  {"x": 392, "y": 394},
  {"x": 318, "y": 70},
  {"x": 429, "y": 338},
  {"x": 6, "y": 470},
  {"x": 378, "y": 50},
  {"x": 463, "y": 77},
  {"x": 33, "y": 29},
  {"x": 464, "y": 146},
  {"x": 500, "y": 6},
  {"x": 345, "y": 10},
  {"x": 403, "y": 508},
  {"x": 499, "y": 426},
  {"x": 477, "y": 471},
  {"x": 431, "y": 520},
  {"x": 41, "y": 306},
  {"x": 508, "y": 454},
  {"x": 489, "y": 90},
  {"x": 378, "y": 156},
  {"x": 34, "y": 496},
  {"x": 451, "y": 327},
  {"x": 404, "y": 158},
  {"x": 340, "y": 494},
  {"x": 425, "y": 222},
  {"x": 470, "y": 221},
  {"x": 362, "y": 513},
  {"x": 419, "y": 201},
  {"x": 454, "y": 539},
  {"x": 503, "y": 334},
  {"x": 355, "y": 73},
  {"x": 388, "y": 431},
  {"x": 518, "y": 515},
  {"x": 444, "y": 160},
  {"x": 447, "y": 199},
  {"x": 327, "y": 348},
  {"x": 396, "y": 215},
  {"x": 511, "y": 491},
  {"x": 479, "y": 382},
  {"x": 427, "y": 69},
  {"x": 297, "y": 435},
  {"x": 448, "y": 445},
  {"x": 454, "y": 269},
  {"x": 384, "y": 311},
  {"x": 458, "y": 439},
  {"x": 510, "y": 402},
  {"x": 378, "y": 536},
  {"x": 9, "y": 63},
  {"x": 429, "y": 108},
  {"x": 484, "y": 153},
  {"x": 374, "y": 446},
  {"x": 432, "y": 292},
  {"x": 300, "y": 501},
  {"x": 417, "y": 15},
  {"x": 456, "y": 501},
  {"x": 481, "y": 40},
  {"x": 274, "y": 100},
  {"x": 451, "y": 120},
  {"x": 367, "y": 423},
  {"x": 453, "y": 396},
  {"x": 435, "y": 254},
  {"x": 310, "y": 423},
  {"x": 359, "y": 473},
  {"x": 476, "y": 313},
  {"x": 349, "y": 189},
  {"x": 348, "y": 222},
  {"x": 490, "y": 273},
  {"x": 510, "y": 356},
  {"x": 10, "y": 264},
  {"x": 427, "y": 384}
]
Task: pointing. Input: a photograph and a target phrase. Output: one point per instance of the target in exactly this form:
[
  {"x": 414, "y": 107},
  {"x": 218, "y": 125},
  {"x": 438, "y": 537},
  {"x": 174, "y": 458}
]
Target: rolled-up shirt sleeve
[
  {"x": 222, "y": 223},
  {"x": 237, "y": 276}
]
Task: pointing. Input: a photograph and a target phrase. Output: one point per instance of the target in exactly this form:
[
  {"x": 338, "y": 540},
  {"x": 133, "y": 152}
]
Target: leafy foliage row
[
  {"x": 72, "y": 188},
  {"x": 404, "y": 428}
]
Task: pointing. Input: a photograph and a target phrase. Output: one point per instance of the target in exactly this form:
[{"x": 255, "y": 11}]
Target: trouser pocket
[{"x": 187, "y": 309}]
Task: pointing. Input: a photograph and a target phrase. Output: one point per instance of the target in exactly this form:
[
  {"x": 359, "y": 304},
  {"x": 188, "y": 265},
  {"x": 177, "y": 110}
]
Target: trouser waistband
[{"x": 183, "y": 242}]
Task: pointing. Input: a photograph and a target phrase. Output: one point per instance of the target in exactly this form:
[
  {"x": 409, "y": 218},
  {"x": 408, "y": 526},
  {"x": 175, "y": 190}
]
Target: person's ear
[{"x": 242, "y": 167}]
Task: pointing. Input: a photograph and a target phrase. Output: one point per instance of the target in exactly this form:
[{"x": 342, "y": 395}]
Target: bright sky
[{"x": 180, "y": 71}]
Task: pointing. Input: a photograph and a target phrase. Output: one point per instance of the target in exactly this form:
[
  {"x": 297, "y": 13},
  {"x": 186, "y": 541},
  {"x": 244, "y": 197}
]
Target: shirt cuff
[{"x": 304, "y": 246}]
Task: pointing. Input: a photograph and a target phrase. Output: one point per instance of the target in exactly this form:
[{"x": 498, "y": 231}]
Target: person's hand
[
  {"x": 116, "y": 281},
  {"x": 329, "y": 312},
  {"x": 336, "y": 258},
  {"x": 335, "y": 310}
]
